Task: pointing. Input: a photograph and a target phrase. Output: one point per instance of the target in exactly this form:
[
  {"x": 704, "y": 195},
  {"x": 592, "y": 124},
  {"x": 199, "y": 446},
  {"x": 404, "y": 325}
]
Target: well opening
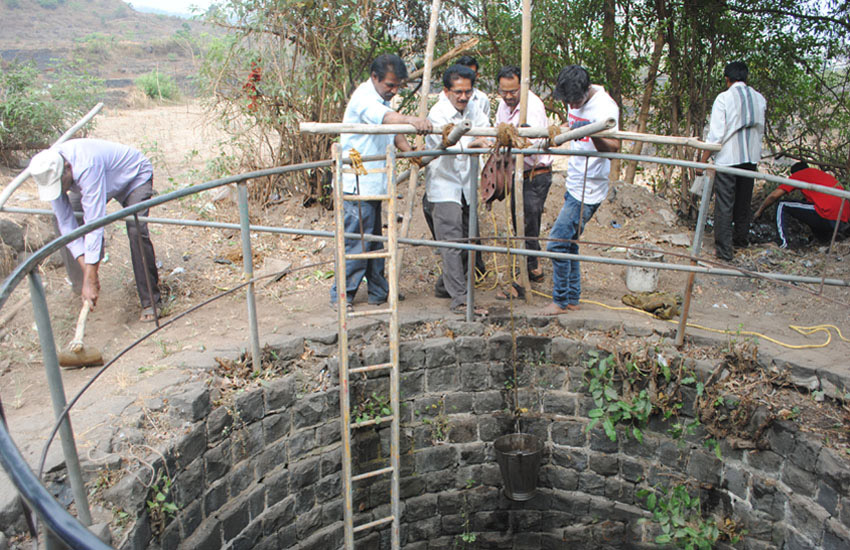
[{"x": 260, "y": 467}]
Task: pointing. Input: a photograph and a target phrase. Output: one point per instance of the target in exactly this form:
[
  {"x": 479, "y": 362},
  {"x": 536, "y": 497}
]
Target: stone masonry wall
[{"x": 265, "y": 472}]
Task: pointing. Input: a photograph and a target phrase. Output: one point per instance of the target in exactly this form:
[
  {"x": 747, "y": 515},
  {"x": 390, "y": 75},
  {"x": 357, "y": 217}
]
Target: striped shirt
[{"x": 737, "y": 123}]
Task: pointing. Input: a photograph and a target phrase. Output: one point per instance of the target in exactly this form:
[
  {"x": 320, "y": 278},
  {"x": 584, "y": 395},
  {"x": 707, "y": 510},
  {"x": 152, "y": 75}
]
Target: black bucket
[{"x": 519, "y": 457}]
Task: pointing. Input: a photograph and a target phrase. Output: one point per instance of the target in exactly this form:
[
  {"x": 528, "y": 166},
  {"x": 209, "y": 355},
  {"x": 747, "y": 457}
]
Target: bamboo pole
[
  {"x": 520, "y": 163},
  {"x": 422, "y": 113},
  {"x": 452, "y": 53},
  {"x": 532, "y": 132}
]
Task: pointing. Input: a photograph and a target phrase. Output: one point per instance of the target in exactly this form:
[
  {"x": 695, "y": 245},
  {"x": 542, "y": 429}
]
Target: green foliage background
[
  {"x": 34, "y": 110},
  {"x": 666, "y": 54}
]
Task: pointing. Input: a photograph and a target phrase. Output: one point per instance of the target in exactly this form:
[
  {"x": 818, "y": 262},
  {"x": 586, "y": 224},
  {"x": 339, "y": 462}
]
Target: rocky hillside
[{"x": 107, "y": 37}]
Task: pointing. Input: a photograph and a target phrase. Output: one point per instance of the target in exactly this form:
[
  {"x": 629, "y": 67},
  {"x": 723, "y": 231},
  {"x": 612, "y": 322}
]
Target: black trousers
[
  {"x": 821, "y": 228},
  {"x": 137, "y": 195},
  {"x": 732, "y": 198},
  {"x": 534, "y": 195}
]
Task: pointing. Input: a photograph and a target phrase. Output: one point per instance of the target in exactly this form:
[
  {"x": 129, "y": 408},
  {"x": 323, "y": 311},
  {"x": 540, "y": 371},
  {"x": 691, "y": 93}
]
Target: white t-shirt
[
  {"x": 600, "y": 106},
  {"x": 737, "y": 122}
]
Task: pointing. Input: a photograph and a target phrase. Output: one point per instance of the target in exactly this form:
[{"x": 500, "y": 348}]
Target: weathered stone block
[
  {"x": 190, "y": 518},
  {"x": 411, "y": 355},
  {"x": 491, "y": 427},
  {"x": 240, "y": 478},
  {"x": 565, "y": 352},
  {"x": 471, "y": 349},
  {"x": 277, "y": 486},
  {"x": 439, "y": 352},
  {"x": 412, "y": 384},
  {"x": 278, "y": 515},
  {"x": 569, "y": 432},
  {"x": 280, "y": 393},
  {"x": 569, "y": 458},
  {"x": 603, "y": 464},
  {"x": 442, "y": 379},
  {"x": 248, "y": 538},
  {"x": 487, "y": 402},
  {"x": 192, "y": 445},
  {"x": 801, "y": 481},
  {"x": 129, "y": 494},
  {"x": 435, "y": 459},
  {"x": 705, "y": 467},
  {"x": 828, "y": 498},
  {"x": 192, "y": 403},
  {"x": 766, "y": 498},
  {"x": 835, "y": 536},
  {"x": 831, "y": 467},
  {"x": 247, "y": 441},
  {"x": 189, "y": 483},
  {"x": 275, "y": 426},
  {"x": 219, "y": 423},
  {"x": 782, "y": 438},
  {"x": 475, "y": 376},
  {"x": 455, "y": 403},
  {"x": 499, "y": 346},
  {"x": 806, "y": 453},
  {"x": 233, "y": 518},
  {"x": 309, "y": 410},
  {"x": 806, "y": 517},
  {"x": 766, "y": 461},
  {"x": 302, "y": 443},
  {"x": 736, "y": 481},
  {"x": 273, "y": 456},
  {"x": 305, "y": 501},
  {"x": 215, "y": 497},
  {"x": 249, "y": 406},
  {"x": 305, "y": 473}
]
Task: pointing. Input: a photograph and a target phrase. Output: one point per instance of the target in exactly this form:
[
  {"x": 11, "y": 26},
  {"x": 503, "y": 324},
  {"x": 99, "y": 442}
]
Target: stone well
[{"x": 263, "y": 472}]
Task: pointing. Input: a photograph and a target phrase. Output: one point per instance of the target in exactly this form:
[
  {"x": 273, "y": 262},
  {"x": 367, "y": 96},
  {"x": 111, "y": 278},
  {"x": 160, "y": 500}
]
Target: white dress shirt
[{"x": 451, "y": 177}]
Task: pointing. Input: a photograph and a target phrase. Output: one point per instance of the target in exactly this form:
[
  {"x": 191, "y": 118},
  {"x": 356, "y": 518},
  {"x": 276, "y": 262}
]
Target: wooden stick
[
  {"x": 423, "y": 112},
  {"x": 519, "y": 199},
  {"x": 466, "y": 46},
  {"x": 77, "y": 343}
]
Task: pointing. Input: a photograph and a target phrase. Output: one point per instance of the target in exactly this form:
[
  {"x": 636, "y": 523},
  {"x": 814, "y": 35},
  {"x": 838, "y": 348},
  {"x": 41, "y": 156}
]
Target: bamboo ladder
[{"x": 390, "y": 253}]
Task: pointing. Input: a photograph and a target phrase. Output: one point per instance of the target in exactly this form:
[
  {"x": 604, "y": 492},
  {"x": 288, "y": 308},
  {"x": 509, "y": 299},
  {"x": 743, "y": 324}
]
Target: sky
[{"x": 171, "y": 6}]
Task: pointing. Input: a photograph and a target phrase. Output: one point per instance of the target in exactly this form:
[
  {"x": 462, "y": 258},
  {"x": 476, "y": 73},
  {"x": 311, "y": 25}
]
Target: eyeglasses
[
  {"x": 462, "y": 92},
  {"x": 508, "y": 92}
]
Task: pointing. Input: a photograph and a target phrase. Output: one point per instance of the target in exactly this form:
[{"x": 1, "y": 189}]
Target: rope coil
[{"x": 357, "y": 163}]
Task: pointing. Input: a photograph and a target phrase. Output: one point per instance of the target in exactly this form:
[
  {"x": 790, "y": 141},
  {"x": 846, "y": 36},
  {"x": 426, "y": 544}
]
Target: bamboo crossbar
[{"x": 535, "y": 132}]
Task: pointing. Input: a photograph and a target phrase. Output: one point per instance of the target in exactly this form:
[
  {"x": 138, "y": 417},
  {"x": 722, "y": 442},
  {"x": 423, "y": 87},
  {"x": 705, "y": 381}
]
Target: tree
[{"x": 284, "y": 62}]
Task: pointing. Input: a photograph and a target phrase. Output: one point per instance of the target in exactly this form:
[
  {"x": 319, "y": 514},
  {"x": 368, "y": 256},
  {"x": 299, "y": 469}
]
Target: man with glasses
[
  {"x": 587, "y": 181},
  {"x": 370, "y": 104},
  {"x": 537, "y": 169},
  {"x": 450, "y": 180}
]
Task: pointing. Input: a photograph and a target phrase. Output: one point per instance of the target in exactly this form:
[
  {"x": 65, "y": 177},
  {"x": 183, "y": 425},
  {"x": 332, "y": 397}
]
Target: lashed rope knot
[
  {"x": 447, "y": 129},
  {"x": 554, "y": 130},
  {"x": 507, "y": 136},
  {"x": 357, "y": 163}
]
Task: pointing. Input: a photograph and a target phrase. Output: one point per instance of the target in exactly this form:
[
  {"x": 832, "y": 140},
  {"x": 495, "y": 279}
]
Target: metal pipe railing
[{"x": 71, "y": 531}]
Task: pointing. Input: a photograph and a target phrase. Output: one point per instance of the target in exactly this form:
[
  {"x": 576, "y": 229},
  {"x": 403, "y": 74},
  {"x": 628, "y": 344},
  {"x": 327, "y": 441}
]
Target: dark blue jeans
[
  {"x": 372, "y": 269},
  {"x": 566, "y": 274}
]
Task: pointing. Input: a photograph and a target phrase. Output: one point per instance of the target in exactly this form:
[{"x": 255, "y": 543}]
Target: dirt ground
[{"x": 197, "y": 263}]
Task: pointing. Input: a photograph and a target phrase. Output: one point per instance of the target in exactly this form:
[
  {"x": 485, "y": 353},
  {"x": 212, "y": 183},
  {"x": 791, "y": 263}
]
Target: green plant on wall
[
  {"x": 159, "y": 502},
  {"x": 440, "y": 426},
  {"x": 611, "y": 407},
  {"x": 373, "y": 408},
  {"x": 681, "y": 521},
  {"x": 467, "y": 537}
]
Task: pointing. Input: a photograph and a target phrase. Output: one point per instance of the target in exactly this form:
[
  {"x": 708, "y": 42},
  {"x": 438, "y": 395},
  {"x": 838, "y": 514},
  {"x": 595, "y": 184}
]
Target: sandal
[
  {"x": 480, "y": 311},
  {"x": 536, "y": 277},
  {"x": 516, "y": 293},
  {"x": 148, "y": 315}
]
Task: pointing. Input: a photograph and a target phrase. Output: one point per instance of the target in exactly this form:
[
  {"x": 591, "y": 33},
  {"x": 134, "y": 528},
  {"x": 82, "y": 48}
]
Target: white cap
[{"x": 46, "y": 169}]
